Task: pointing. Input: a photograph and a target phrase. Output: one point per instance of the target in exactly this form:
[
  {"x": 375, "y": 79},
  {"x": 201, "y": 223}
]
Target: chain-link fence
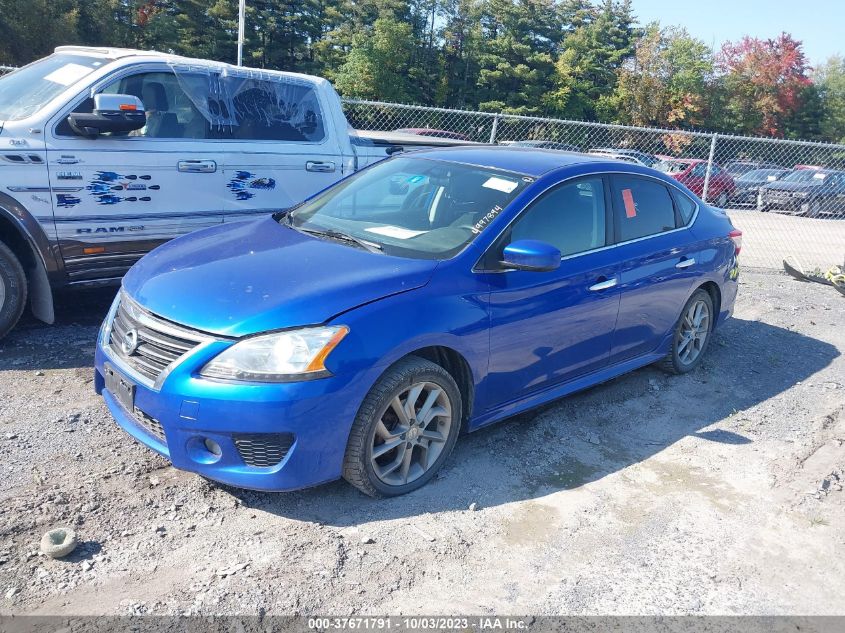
[{"x": 788, "y": 197}]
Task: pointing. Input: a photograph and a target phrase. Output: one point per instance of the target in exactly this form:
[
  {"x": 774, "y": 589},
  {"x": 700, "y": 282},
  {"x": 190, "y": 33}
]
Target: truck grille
[
  {"x": 263, "y": 450},
  {"x": 147, "y": 344}
]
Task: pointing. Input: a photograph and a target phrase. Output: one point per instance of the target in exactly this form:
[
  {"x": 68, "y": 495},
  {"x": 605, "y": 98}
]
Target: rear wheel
[
  {"x": 692, "y": 334},
  {"x": 405, "y": 429},
  {"x": 12, "y": 290}
]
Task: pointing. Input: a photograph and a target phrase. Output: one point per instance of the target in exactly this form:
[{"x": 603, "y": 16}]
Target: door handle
[
  {"x": 685, "y": 263},
  {"x": 604, "y": 285},
  {"x": 197, "y": 166},
  {"x": 319, "y": 166}
]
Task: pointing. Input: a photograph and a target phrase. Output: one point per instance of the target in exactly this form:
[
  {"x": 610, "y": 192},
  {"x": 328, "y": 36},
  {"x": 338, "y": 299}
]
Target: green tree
[
  {"x": 830, "y": 81},
  {"x": 516, "y": 61},
  {"x": 585, "y": 71},
  {"x": 378, "y": 63}
]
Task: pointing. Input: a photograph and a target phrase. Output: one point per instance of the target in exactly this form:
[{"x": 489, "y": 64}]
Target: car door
[
  {"x": 118, "y": 196},
  {"x": 549, "y": 327},
  {"x": 281, "y": 149},
  {"x": 659, "y": 261}
]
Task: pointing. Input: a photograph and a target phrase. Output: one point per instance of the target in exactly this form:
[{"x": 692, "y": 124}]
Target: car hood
[
  {"x": 792, "y": 186},
  {"x": 250, "y": 277}
]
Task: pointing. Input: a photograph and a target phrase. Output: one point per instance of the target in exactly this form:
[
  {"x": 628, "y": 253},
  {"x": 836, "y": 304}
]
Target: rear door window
[{"x": 641, "y": 207}]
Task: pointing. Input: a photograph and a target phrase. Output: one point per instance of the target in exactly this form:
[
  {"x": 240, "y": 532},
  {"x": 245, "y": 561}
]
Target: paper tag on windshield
[
  {"x": 394, "y": 231},
  {"x": 819, "y": 176},
  {"x": 68, "y": 74},
  {"x": 500, "y": 184}
]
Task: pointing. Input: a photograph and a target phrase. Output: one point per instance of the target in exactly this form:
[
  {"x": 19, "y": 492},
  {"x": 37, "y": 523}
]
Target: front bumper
[
  {"x": 788, "y": 203},
  {"x": 187, "y": 410}
]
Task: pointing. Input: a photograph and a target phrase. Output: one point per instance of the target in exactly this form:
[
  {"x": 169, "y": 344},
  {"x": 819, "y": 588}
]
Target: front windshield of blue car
[
  {"x": 25, "y": 91},
  {"x": 411, "y": 207}
]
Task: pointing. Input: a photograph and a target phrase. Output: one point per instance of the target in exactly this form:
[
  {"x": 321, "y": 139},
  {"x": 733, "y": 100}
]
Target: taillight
[{"x": 736, "y": 236}]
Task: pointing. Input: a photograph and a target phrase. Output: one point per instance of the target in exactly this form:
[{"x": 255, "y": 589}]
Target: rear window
[
  {"x": 686, "y": 206},
  {"x": 642, "y": 207}
]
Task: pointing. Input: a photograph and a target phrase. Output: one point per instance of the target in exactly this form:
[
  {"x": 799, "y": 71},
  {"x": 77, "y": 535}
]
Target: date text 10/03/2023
[{"x": 485, "y": 623}]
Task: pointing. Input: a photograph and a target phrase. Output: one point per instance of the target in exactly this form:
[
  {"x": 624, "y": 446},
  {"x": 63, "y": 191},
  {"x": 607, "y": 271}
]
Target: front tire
[
  {"x": 13, "y": 290},
  {"x": 692, "y": 334},
  {"x": 405, "y": 429}
]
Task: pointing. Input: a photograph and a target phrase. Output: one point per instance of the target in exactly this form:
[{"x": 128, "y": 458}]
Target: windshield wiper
[{"x": 343, "y": 237}]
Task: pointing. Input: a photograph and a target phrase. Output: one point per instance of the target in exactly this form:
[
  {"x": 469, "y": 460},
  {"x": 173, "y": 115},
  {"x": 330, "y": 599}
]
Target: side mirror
[
  {"x": 112, "y": 113},
  {"x": 532, "y": 255}
]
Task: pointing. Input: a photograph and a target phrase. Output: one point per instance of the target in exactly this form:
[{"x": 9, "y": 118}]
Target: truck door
[
  {"x": 283, "y": 147},
  {"x": 117, "y": 197}
]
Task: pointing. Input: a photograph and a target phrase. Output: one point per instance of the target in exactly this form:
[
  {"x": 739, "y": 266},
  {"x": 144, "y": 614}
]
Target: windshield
[
  {"x": 761, "y": 174},
  {"x": 805, "y": 175},
  {"x": 411, "y": 207},
  {"x": 24, "y": 92}
]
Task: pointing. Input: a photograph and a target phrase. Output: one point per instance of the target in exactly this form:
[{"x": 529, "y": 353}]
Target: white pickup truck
[{"x": 106, "y": 153}]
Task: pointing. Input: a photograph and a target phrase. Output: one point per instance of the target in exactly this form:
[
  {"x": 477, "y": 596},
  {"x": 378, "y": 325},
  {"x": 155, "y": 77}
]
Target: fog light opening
[{"x": 213, "y": 447}]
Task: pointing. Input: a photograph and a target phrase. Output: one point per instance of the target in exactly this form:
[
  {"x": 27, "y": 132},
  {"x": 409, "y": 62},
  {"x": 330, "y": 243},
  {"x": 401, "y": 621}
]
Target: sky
[{"x": 819, "y": 24}]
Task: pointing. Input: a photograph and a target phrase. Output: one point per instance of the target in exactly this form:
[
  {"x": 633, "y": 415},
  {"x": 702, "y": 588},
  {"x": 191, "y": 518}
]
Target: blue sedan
[{"x": 357, "y": 334}]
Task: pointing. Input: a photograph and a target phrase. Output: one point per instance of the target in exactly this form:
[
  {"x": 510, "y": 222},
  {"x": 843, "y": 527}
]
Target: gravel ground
[{"x": 716, "y": 492}]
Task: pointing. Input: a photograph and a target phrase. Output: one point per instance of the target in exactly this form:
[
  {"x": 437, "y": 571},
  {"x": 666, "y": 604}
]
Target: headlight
[{"x": 279, "y": 357}]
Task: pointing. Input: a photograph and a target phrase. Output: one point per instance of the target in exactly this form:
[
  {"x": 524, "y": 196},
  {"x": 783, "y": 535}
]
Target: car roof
[{"x": 523, "y": 160}]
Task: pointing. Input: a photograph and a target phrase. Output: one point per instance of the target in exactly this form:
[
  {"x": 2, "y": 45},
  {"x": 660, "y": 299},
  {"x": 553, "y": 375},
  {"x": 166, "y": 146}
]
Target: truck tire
[{"x": 13, "y": 290}]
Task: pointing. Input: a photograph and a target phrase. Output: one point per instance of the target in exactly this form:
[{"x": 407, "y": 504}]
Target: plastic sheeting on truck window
[{"x": 249, "y": 104}]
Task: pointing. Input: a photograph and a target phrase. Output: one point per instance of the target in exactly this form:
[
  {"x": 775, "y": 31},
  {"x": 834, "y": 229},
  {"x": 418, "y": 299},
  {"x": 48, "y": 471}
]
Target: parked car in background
[
  {"x": 425, "y": 131},
  {"x": 811, "y": 193},
  {"x": 808, "y": 167},
  {"x": 644, "y": 158},
  {"x": 106, "y": 153},
  {"x": 444, "y": 291},
  {"x": 692, "y": 173},
  {"x": 625, "y": 158},
  {"x": 541, "y": 144},
  {"x": 748, "y": 185},
  {"x": 737, "y": 168}
]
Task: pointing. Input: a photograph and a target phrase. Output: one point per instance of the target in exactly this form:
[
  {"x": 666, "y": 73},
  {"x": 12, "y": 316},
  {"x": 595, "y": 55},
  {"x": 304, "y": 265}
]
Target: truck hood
[{"x": 250, "y": 277}]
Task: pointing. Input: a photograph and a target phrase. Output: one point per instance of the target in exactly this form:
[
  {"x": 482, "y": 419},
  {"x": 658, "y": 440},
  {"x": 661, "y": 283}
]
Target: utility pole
[{"x": 241, "y": 20}]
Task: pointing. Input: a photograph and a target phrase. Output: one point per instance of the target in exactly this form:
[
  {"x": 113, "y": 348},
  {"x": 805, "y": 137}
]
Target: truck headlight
[{"x": 279, "y": 357}]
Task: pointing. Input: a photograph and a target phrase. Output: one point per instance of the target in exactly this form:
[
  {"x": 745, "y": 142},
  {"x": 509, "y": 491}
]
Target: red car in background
[{"x": 691, "y": 173}]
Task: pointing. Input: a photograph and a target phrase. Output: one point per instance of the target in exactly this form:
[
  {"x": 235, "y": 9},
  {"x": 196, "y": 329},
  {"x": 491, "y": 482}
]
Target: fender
[{"x": 46, "y": 261}]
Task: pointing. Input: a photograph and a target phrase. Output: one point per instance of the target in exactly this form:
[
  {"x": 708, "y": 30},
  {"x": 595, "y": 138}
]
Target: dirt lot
[{"x": 716, "y": 492}]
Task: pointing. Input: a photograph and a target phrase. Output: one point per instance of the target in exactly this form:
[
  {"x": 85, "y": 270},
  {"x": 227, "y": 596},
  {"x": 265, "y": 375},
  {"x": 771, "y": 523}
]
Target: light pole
[{"x": 241, "y": 19}]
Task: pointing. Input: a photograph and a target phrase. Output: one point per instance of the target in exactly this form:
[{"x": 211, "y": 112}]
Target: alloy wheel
[
  {"x": 411, "y": 434},
  {"x": 695, "y": 329}
]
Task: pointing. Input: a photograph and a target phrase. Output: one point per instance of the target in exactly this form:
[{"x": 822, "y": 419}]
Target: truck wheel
[{"x": 12, "y": 290}]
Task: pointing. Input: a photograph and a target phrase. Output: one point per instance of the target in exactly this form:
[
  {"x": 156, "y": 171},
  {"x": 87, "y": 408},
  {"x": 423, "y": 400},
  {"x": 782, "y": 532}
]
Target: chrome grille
[
  {"x": 150, "y": 425},
  {"x": 145, "y": 343},
  {"x": 263, "y": 450}
]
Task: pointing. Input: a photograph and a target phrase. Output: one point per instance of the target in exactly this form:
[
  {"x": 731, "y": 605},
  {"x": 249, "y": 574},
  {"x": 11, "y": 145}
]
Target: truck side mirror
[{"x": 112, "y": 113}]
